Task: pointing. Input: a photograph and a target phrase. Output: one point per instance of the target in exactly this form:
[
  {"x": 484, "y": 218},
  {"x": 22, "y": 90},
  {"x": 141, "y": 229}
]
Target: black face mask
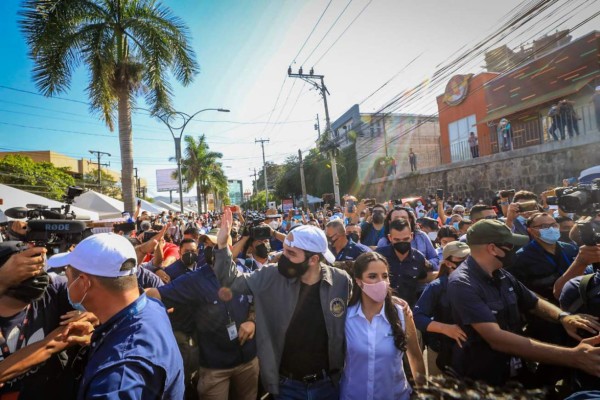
[
  {"x": 31, "y": 289},
  {"x": 290, "y": 269},
  {"x": 208, "y": 255},
  {"x": 508, "y": 259},
  {"x": 402, "y": 247},
  {"x": 378, "y": 218},
  {"x": 262, "y": 250},
  {"x": 189, "y": 259},
  {"x": 354, "y": 237}
]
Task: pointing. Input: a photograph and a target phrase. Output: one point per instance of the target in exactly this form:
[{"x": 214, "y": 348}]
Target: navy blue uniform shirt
[
  {"x": 200, "y": 289},
  {"x": 433, "y": 305},
  {"x": 352, "y": 251},
  {"x": 182, "y": 317},
  {"x": 370, "y": 236},
  {"x": 570, "y": 293},
  {"x": 404, "y": 275},
  {"x": 476, "y": 297},
  {"x": 148, "y": 279},
  {"x": 134, "y": 355},
  {"x": 538, "y": 270}
]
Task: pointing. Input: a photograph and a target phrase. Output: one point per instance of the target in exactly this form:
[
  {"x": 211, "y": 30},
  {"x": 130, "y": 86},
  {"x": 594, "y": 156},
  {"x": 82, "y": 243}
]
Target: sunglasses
[{"x": 504, "y": 246}]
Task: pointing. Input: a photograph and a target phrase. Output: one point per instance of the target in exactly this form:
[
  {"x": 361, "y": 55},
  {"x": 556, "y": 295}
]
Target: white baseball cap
[
  {"x": 102, "y": 254},
  {"x": 310, "y": 238}
]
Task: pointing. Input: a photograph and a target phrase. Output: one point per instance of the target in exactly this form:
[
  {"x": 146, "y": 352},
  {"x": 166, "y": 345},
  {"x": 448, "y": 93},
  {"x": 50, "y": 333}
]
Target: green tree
[
  {"x": 109, "y": 185},
  {"x": 40, "y": 178},
  {"x": 128, "y": 46},
  {"x": 273, "y": 173},
  {"x": 200, "y": 167}
]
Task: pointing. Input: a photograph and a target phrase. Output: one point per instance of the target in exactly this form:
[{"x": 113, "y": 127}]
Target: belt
[{"x": 308, "y": 379}]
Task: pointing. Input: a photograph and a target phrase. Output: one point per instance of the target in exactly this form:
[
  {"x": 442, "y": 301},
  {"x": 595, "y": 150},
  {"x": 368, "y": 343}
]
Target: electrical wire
[{"x": 312, "y": 31}]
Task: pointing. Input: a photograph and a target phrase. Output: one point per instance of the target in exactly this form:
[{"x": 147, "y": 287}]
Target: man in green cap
[{"x": 487, "y": 303}]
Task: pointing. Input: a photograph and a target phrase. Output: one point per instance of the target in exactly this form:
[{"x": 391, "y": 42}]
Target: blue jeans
[{"x": 290, "y": 389}]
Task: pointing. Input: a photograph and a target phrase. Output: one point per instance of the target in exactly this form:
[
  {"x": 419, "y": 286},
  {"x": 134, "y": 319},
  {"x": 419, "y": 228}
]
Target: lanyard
[{"x": 4, "y": 344}]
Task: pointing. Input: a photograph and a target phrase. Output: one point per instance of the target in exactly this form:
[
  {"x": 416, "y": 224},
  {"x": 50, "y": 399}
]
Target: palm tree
[
  {"x": 200, "y": 167},
  {"x": 129, "y": 47}
]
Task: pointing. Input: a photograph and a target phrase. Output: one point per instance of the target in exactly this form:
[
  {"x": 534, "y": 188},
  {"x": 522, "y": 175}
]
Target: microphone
[
  {"x": 16, "y": 212},
  {"x": 56, "y": 226},
  {"x": 50, "y": 214}
]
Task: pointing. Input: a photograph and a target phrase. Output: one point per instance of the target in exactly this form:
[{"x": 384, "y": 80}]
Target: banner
[{"x": 165, "y": 181}]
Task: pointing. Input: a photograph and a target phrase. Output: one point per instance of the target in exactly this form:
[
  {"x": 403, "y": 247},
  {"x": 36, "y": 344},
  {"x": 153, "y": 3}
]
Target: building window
[{"x": 458, "y": 132}]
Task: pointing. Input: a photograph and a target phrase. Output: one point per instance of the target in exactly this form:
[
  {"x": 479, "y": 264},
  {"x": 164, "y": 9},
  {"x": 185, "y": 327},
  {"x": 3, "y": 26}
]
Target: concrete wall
[{"x": 535, "y": 168}]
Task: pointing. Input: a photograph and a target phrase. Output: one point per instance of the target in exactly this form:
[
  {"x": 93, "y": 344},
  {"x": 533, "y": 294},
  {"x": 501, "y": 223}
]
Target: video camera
[
  {"x": 582, "y": 199},
  {"x": 254, "y": 227},
  {"x": 53, "y": 228}
]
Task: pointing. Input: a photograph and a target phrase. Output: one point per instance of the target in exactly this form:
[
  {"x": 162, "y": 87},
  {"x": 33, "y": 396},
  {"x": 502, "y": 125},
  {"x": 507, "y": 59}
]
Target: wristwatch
[{"x": 562, "y": 315}]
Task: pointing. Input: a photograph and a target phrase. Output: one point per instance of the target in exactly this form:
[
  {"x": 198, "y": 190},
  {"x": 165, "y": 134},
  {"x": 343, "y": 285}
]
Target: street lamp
[{"x": 169, "y": 120}]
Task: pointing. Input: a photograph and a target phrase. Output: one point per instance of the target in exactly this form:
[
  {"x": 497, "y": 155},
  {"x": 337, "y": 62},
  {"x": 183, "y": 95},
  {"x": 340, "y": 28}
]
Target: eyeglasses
[{"x": 545, "y": 226}]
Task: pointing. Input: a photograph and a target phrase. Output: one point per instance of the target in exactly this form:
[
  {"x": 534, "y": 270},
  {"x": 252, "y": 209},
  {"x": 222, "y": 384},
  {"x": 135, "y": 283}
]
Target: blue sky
[{"x": 244, "y": 48}]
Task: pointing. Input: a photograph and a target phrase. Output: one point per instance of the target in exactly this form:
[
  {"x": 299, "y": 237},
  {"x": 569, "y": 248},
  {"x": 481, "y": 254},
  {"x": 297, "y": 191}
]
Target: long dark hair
[{"x": 360, "y": 266}]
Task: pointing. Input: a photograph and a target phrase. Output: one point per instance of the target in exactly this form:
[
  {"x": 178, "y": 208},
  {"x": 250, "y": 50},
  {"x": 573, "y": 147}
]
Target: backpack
[{"x": 584, "y": 295}]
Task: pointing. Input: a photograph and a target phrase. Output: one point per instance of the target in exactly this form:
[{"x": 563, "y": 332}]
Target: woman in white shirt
[{"x": 378, "y": 332}]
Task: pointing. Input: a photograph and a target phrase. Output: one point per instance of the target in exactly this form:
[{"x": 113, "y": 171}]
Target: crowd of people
[{"x": 363, "y": 300}]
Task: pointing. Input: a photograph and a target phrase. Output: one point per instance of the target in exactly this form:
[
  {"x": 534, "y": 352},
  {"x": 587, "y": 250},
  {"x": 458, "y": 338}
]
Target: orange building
[{"x": 460, "y": 107}]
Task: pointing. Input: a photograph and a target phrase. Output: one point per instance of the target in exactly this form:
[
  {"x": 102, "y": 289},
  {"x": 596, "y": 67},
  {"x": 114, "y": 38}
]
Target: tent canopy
[
  {"x": 166, "y": 206},
  {"x": 107, "y": 207},
  {"x": 13, "y": 197},
  {"x": 588, "y": 175}
]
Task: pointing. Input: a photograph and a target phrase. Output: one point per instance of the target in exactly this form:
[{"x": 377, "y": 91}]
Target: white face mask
[
  {"x": 274, "y": 225},
  {"x": 432, "y": 236}
]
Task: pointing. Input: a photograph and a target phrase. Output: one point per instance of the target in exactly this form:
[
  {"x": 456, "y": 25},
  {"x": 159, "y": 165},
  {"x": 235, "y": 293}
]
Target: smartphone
[
  {"x": 139, "y": 203},
  {"x": 528, "y": 206},
  {"x": 507, "y": 193},
  {"x": 350, "y": 206},
  {"x": 439, "y": 193}
]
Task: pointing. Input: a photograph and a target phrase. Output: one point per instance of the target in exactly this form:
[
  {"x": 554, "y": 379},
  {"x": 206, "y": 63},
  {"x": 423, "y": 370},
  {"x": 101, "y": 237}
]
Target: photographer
[
  {"x": 31, "y": 306},
  {"x": 523, "y": 206}
]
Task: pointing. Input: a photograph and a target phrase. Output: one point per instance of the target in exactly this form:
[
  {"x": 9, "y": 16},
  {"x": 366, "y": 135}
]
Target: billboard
[
  {"x": 165, "y": 181},
  {"x": 235, "y": 191}
]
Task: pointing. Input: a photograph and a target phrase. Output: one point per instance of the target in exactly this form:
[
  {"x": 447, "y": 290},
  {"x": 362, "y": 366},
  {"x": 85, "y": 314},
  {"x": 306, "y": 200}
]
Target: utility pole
[
  {"x": 138, "y": 188},
  {"x": 327, "y": 145},
  {"x": 318, "y": 127},
  {"x": 302, "y": 181},
  {"x": 262, "y": 144},
  {"x": 99, "y": 155},
  {"x": 385, "y": 145},
  {"x": 254, "y": 188}
]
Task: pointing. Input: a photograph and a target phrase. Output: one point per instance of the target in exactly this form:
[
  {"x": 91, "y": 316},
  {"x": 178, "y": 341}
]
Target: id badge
[
  {"x": 232, "y": 331},
  {"x": 515, "y": 365}
]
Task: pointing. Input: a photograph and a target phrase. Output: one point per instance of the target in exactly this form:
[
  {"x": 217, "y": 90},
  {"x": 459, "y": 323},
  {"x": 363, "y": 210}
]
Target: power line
[
  {"x": 311, "y": 32},
  {"x": 327, "y": 33},
  {"x": 343, "y": 32}
]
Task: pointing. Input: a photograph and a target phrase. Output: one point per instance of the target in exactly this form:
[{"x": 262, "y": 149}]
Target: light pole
[{"x": 169, "y": 119}]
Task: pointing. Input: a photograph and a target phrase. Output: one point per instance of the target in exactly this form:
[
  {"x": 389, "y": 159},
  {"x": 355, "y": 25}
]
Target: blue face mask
[
  {"x": 77, "y": 306},
  {"x": 455, "y": 225},
  {"x": 521, "y": 219},
  {"x": 419, "y": 203},
  {"x": 550, "y": 235}
]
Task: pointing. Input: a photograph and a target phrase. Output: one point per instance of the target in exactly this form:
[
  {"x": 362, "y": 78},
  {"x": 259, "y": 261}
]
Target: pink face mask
[{"x": 376, "y": 291}]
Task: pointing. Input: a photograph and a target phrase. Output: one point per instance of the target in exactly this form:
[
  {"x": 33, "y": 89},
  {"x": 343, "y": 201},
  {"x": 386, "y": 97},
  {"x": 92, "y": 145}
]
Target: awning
[{"x": 536, "y": 101}]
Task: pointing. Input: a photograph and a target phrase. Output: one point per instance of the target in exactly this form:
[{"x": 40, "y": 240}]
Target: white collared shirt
[{"x": 374, "y": 368}]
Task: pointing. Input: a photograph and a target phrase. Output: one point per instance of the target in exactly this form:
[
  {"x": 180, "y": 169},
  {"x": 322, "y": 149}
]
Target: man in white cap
[
  {"x": 133, "y": 353},
  {"x": 300, "y": 313}
]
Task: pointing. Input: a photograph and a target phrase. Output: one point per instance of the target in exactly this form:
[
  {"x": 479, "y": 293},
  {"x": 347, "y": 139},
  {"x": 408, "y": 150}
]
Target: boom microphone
[
  {"x": 16, "y": 212},
  {"x": 55, "y": 226}
]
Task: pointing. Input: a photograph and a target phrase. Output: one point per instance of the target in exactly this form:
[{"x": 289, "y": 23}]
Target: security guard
[
  {"x": 342, "y": 247},
  {"x": 487, "y": 303},
  {"x": 133, "y": 353},
  {"x": 408, "y": 266}
]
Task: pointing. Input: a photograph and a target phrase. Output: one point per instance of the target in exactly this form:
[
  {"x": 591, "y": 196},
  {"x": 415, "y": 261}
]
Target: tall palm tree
[
  {"x": 129, "y": 47},
  {"x": 200, "y": 167}
]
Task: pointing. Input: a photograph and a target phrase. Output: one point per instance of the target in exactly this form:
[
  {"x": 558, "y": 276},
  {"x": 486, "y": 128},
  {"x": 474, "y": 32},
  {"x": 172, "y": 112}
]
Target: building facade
[
  {"x": 523, "y": 98},
  {"x": 384, "y": 141}
]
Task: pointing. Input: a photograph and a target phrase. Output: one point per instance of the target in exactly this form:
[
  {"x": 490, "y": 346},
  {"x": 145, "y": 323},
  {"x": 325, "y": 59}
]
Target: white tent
[
  {"x": 12, "y": 197},
  {"x": 107, "y": 207},
  {"x": 167, "y": 206},
  {"x": 151, "y": 207},
  {"x": 588, "y": 175}
]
